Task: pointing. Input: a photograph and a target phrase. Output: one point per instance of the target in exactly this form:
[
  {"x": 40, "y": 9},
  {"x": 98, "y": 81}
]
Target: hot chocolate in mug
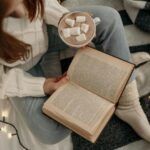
[{"x": 77, "y": 29}]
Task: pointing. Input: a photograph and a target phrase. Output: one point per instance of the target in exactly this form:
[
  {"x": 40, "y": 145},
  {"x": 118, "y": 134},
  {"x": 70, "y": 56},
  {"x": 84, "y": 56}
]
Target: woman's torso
[{"x": 33, "y": 33}]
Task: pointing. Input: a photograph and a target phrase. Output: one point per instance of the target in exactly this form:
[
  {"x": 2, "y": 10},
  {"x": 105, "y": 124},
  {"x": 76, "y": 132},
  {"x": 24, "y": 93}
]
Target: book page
[
  {"x": 100, "y": 73},
  {"x": 79, "y": 106},
  {"x": 97, "y": 133}
]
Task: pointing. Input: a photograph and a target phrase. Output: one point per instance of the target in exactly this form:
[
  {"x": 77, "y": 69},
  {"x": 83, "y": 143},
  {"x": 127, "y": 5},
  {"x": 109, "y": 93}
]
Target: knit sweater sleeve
[
  {"x": 18, "y": 83},
  {"x": 53, "y": 12}
]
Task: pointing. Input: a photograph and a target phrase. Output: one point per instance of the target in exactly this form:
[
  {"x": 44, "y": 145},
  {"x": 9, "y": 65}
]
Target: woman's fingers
[
  {"x": 52, "y": 84},
  {"x": 61, "y": 82},
  {"x": 58, "y": 78},
  {"x": 62, "y": 76},
  {"x": 52, "y": 79}
]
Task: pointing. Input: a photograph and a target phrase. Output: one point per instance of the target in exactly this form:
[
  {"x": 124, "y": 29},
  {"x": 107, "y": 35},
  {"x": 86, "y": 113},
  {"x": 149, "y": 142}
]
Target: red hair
[{"x": 12, "y": 49}]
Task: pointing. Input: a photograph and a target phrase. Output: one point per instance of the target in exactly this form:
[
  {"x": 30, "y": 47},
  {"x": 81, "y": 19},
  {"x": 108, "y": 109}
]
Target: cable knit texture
[
  {"x": 14, "y": 80},
  {"x": 130, "y": 111}
]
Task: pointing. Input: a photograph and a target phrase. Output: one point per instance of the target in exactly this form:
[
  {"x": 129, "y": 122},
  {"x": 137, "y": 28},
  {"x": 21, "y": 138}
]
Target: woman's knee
[{"x": 110, "y": 18}]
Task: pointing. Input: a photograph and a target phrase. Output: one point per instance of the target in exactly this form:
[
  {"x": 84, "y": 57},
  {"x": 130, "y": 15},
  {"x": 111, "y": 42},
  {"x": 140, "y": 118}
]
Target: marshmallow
[
  {"x": 75, "y": 31},
  {"x": 70, "y": 22},
  {"x": 66, "y": 32},
  {"x": 81, "y": 37},
  {"x": 85, "y": 27},
  {"x": 80, "y": 19}
]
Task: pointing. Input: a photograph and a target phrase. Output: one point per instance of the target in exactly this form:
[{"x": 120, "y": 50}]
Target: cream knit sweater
[{"x": 14, "y": 80}]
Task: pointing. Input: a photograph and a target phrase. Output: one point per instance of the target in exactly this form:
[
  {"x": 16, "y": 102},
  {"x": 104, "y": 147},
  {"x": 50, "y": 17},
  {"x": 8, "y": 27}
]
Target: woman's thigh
[
  {"x": 30, "y": 109},
  {"x": 110, "y": 36},
  {"x": 45, "y": 129},
  {"x": 110, "y": 18}
]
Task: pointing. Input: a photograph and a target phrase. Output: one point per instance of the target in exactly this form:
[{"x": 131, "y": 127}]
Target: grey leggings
[{"x": 110, "y": 38}]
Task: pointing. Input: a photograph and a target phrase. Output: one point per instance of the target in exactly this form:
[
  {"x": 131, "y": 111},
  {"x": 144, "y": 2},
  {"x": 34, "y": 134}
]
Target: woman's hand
[{"x": 52, "y": 84}]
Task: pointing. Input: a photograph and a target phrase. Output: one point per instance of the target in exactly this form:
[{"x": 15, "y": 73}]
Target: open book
[{"x": 86, "y": 103}]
